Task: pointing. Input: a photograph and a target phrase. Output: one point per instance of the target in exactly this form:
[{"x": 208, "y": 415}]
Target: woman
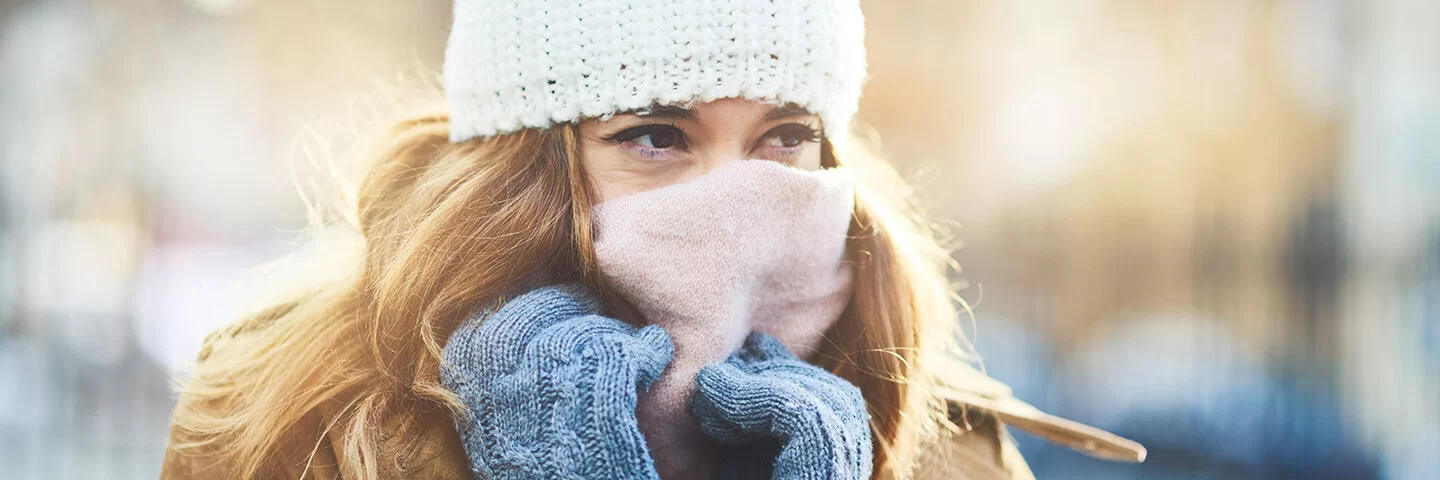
[{"x": 601, "y": 166}]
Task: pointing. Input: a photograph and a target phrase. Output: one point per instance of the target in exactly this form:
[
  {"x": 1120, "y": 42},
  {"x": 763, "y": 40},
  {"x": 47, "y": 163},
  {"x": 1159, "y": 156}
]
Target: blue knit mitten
[
  {"x": 551, "y": 387},
  {"x": 765, "y": 397}
]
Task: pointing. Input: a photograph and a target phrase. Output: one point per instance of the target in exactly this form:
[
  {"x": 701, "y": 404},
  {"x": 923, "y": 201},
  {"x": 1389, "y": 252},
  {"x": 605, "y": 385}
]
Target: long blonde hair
[{"x": 439, "y": 229}]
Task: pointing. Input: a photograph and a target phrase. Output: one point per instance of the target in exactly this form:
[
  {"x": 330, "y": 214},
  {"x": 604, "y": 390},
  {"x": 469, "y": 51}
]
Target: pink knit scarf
[{"x": 753, "y": 245}]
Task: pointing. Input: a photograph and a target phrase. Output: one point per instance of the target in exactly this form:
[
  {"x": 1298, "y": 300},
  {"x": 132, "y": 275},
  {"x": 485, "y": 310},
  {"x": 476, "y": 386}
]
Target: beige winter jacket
[{"x": 984, "y": 452}]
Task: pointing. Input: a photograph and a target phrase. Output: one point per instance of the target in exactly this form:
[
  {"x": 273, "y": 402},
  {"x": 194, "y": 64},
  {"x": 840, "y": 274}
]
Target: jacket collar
[{"x": 968, "y": 387}]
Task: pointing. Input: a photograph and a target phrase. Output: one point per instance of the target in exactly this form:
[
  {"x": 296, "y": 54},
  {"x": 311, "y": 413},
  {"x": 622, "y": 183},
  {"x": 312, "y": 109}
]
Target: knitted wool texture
[
  {"x": 512, "y": 64},
  {"x": 753, "y": 245},
  {"x": 764, "y": 395},
  {"x": 550, "y": 391},
  {"x": 550, "y": 388}
]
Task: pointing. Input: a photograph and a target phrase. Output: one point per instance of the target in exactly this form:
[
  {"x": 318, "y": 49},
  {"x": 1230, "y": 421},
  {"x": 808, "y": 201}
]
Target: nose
[
  {"x": 717, "y": 147},
  {"x": 726, "y": 151}
]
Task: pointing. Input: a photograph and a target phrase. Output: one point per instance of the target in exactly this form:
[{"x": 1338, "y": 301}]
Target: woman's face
[{"x": 635, "y": 152}]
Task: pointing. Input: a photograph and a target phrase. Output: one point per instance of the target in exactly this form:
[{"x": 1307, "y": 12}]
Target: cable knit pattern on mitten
[
  {"x": 534, "y": 63},
  {"x": 550, "y": 388},
  {"x": 765, "y": 394}
]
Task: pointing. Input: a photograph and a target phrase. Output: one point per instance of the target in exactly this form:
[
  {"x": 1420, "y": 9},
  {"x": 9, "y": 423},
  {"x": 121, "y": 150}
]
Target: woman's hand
[
  {"x": 550, "y": 388},
  {"x": 763, "y": 397}
]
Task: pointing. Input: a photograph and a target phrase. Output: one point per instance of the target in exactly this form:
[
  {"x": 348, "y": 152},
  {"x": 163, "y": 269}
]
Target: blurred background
[{"x": 1210, "y": 226}]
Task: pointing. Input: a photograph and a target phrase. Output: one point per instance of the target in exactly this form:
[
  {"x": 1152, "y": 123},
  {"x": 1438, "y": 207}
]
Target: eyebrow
[
  {"x": 666, "y": 111},
  {"x": 682, "y": 113},
  {"x": 784, "y": 111}
]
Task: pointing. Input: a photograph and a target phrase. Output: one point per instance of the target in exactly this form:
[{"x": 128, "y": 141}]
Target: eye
[
  {"x": 790, "y": 136},
  {"x": 652, "y": 137}
]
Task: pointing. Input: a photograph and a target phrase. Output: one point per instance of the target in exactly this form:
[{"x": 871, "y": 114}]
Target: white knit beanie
[{"x": 512, "y": 64}]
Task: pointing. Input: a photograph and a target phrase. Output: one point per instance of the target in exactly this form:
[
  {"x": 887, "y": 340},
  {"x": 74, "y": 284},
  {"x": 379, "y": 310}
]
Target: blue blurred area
[{"x": 1244, "y": 422}]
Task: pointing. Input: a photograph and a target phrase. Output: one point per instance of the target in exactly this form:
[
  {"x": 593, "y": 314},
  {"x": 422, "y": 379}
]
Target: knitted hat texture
[{"x": 513, "y": 64}]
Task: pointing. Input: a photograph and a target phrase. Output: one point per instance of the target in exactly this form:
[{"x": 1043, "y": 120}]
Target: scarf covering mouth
[{"x": 753, "y": 245}]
